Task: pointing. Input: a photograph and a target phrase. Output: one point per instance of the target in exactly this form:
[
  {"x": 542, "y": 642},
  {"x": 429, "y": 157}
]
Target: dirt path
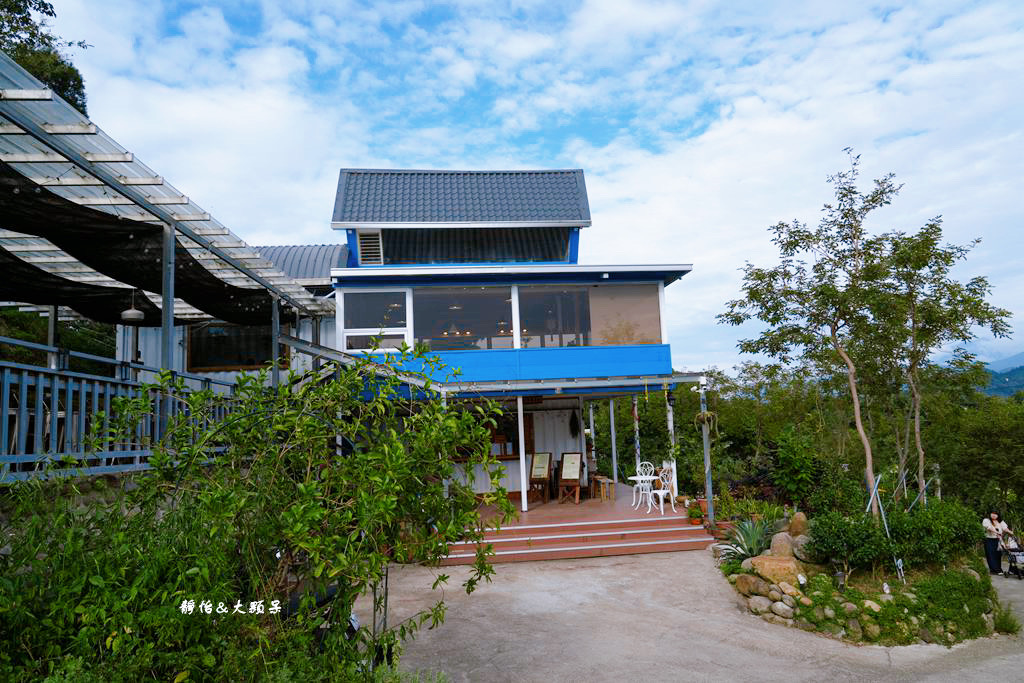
[{"x": 650, "y": 617}]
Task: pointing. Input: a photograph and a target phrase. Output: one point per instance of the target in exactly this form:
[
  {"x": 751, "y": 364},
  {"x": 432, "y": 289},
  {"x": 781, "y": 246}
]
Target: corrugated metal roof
[
  {"x": 412, "y": 196},
  {"x": 307, "y": 261}
]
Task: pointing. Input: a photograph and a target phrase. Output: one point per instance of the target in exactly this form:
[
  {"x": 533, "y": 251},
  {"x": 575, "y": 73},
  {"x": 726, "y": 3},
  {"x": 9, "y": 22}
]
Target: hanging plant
[{"x": 574, "y": 425}]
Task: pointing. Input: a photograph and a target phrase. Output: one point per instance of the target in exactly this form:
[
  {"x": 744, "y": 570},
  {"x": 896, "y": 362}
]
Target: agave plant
[{"x": 748, "y": 538}]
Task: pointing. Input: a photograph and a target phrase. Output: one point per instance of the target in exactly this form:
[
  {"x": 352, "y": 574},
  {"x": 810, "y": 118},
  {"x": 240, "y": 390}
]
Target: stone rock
[
  {"x": 800, "y": 550},
  {"x": 910, "y": 596},
  {"x": 853, "y": 629},
  {"x": 914, "y": 620},
  {"x": 990, "y": 623},
  {"x": 782, "y": 545},
  {"x": 717, "y": 550},
  {"x": 798, "y": 526},
  {"x": 885, "y": 597},
  {"x": 789, "y": 601},
  {"x": 746, "y": 564},
  {"x": 781, "y": 621},
  {"x": 873, "y": 606},
  {"x": 805, "y": 625},
  {"x": 836, "y": 630},
  {"x": 938, "y": 629},
  {"x": 872, "y": 631},
  {"x": 732, "y": 578},
  {"x": 782, "y": 609},
  {"x": 789, "y": 590},
  {"x": 971, "y": 573},
  {"x": 806, "y": 601},
  {"x": 829, "y": 613},
  {"x": 819, "y": 614},
  {"x": 950, "y": 637},
  {"x": 775, "y": 596},
  {"x": 775, "y": 587},
  {"x": 849, "y": 607},
  {"x": 758, "y": 604},
  {"x": 766, "y": 553},
  {"x": 777, "y": 569},
  {"x": 748, "y": 584}
]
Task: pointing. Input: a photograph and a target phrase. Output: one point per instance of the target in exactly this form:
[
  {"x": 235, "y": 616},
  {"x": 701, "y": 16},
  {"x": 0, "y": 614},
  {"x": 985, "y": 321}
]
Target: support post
[
  {"x": 708, "y": 491},
  {"x": 615, "y": 448},
  {"x": 315, "y": 322},
  {"x": 51, "y": 338},
  {"x": 670, "y": 402},
  {"x": 636, "y": 433},
  {"x": 167, "y": 302},
  {"x": 275, "y": 345},
  {"x": 524, "y": 483}
]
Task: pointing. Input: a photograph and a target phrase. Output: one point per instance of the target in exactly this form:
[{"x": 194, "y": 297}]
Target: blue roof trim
[
  {"x": 482, "y": 280},
  {"x": 432, "y": 196},
  {"x": 306, "y": 261}
]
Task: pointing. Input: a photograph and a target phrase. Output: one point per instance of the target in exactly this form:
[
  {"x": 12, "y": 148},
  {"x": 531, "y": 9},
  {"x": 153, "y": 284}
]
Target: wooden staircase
[{"x": 562, "y": 540}]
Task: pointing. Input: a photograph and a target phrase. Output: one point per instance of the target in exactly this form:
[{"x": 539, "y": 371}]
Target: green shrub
[
  {"x": 837, "y": 491},
  {"x": 945, "y": 595},
  {"x": 746, "y": 539},
  {"x": 733, "y": 566},
  {"x": 1006, "y": 621},
  {"x": 854, "y": 543},
  {"x": 794, "y": 472}
]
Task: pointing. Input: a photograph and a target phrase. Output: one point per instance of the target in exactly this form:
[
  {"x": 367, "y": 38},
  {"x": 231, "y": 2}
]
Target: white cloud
[{"x": 698, "y": 124}]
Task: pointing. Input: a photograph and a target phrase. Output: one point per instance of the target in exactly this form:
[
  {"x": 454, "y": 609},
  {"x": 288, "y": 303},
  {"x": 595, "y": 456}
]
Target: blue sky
[{"x": 698, "y": 124}]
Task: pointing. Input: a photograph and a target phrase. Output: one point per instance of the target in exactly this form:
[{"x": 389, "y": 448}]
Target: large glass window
[
  {"x": 224, "y": 347},
  {"x": 554, "y": 316},
  {"x": 594, "y": 315},
  {"x": 374, "y": 310},
  {"x": 460, "y": 318},
  {"x": 374, "y": 319}
]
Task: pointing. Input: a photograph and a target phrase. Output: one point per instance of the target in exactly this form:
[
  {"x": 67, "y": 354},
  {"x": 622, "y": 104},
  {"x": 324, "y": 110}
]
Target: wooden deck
[{"x": 594, "y": 528}]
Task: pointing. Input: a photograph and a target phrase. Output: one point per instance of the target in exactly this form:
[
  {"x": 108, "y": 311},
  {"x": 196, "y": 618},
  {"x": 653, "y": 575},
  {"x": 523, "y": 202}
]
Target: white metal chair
[
  {"x": 644, "y": 469},
  {"x": 666, "y": 490}
]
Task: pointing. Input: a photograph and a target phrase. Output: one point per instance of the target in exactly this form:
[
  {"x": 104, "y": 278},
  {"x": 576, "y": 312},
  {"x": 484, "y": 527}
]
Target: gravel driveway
[{"x": 668, "y": 616}]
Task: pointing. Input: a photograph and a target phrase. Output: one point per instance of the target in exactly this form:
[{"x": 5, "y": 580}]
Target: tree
[
  {"x": 930, "y": 309},
  {"x": 38, "y": 50},
  {"x": 821, "y": 299}
]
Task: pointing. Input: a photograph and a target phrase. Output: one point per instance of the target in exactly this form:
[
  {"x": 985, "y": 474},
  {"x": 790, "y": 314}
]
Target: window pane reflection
[
  {"x": 374, "y": 310},
  {"x": 595, "y": 315},
  {"x": 460, "y": 318},
  {"x": 358, "y": 342},
  {"x": 554, "y": 316}
]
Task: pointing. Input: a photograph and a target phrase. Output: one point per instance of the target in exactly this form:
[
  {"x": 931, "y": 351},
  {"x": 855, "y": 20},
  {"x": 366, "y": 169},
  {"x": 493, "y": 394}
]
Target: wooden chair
[
  {"x": 540, "y": 475},
  {"x": 569, "y": 479}
]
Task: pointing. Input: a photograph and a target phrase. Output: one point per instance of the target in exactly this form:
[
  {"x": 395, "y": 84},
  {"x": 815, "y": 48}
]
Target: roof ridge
[{"x": 456, "y": 170}]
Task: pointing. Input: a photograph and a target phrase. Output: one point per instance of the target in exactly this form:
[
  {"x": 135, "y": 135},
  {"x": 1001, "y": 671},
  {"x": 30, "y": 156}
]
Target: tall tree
[
  {"x": 38, "y": 50},
  {"x": 819, "y": 302},
  {"x": 931, "y": 309}
]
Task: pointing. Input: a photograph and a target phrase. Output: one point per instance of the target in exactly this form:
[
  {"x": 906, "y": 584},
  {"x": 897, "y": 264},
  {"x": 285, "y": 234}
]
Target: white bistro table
[{"x": 646, "y": 481}]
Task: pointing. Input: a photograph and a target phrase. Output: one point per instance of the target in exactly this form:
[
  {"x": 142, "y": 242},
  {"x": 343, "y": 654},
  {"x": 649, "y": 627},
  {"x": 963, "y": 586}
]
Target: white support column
[
  {"x": 517, "y": 339},
  {"x": 661, "y": 313},
  {"x": 583, "y": 441},
  {"x": 615, "y": 448},
  {"x": 670, "y": 401},
  {"x": 524, "y": 483},
  {"x": 410, "y": 335},
  {"x": 636, "y": 431}
]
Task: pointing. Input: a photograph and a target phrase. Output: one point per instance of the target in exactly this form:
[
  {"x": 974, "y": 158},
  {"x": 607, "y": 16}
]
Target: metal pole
[
  {"x": 708, "y": 491},
  {"x": 615, "y": 448},
  {"x": 636, "y": 433},
  {"x": 316, "y": 340},
  {"x": 275, "y": 347},
  {"x": 524, "y": 483},
  {"x": 670, "y": 401},
  {"x": 167, "y": 292},
  {"x": 51, "y": 337}
]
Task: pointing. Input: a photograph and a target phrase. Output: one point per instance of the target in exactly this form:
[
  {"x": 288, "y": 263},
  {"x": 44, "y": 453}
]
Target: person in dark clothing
[{"x": 995, "y": 527}]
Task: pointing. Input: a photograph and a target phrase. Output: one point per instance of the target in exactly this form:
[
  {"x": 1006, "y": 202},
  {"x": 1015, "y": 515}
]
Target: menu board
[
  {"x": 571, "y": 465},
  {"x": 541, "y": 466}
]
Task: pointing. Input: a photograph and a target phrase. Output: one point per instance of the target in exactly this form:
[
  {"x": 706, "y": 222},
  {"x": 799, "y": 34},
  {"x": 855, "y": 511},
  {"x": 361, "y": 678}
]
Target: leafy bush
[
  {"x": 746, "y": 539},
  {"x": 856, "y": 542},
  {"x": 730, "y": 567},
  {"x": 955, "y": 596},
  {"x": 837, "y": 491},
  {"x": 750, "y": 508},
  {"x": 260, "y": 506},
  {"x": 794, "y": 473}
]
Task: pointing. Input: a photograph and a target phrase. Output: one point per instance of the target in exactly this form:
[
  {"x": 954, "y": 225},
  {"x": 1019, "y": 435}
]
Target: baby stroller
[{"x": 1008, "y": 544}]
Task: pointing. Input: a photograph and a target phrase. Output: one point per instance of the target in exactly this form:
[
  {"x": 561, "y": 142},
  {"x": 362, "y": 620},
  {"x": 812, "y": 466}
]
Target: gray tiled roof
[
  {"x": 404, "y": 196},
  {"x": 307, "y": 261}
]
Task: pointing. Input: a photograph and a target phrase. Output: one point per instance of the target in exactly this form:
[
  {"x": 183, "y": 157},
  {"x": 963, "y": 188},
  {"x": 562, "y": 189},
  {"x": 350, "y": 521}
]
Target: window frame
[{"x": 343, "y": 332}]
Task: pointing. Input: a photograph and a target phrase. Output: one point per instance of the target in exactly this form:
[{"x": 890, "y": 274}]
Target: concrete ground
[{"x": 647, "y": 617}]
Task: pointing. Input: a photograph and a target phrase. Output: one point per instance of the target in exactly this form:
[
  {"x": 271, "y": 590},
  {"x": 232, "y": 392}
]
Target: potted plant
[{"x": 695, "y": 513}]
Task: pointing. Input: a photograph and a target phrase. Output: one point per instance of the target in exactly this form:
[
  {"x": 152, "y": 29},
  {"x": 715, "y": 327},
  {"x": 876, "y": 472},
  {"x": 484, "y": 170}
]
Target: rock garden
[{"x": 837, "y": 576}]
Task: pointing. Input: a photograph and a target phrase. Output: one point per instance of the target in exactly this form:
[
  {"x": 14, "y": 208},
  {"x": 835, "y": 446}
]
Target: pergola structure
[{"x": 87, "y": 227}]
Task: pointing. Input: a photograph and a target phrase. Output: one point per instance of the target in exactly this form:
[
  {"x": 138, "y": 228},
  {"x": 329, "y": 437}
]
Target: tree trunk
[
  {"x": 917, "y": 437},
  {"x": 869, "y": 466}
]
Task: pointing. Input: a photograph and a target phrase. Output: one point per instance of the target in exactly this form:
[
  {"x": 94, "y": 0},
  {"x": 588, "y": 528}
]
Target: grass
[{"x": 1006, "y": 621}]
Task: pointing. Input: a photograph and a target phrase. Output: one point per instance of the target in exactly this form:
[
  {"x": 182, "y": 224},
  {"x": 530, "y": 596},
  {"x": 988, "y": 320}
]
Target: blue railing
[{"x": 47, "y": 414}]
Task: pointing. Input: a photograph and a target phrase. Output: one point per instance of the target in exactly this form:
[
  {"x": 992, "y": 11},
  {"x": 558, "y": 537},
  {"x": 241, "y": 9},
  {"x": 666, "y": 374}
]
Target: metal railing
[{"x": 47, "y": 414}]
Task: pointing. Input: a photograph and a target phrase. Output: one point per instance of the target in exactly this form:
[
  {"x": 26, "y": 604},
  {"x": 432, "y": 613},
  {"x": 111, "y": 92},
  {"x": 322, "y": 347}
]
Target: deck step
[
  {"x": 583, "y": 537},
  {"x": 594, "y": 526},
  {"x": 570, "y": 551}
]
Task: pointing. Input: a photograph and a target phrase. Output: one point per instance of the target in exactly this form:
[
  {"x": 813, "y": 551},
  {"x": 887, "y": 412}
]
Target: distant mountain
[
  {"x": 1006, "y": 383},
  {"x": 1014, "y": 361}
]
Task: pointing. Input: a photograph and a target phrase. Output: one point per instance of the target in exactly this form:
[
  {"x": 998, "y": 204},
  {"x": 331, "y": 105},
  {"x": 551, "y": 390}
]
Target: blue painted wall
[{"x": 556, "y": 363}]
